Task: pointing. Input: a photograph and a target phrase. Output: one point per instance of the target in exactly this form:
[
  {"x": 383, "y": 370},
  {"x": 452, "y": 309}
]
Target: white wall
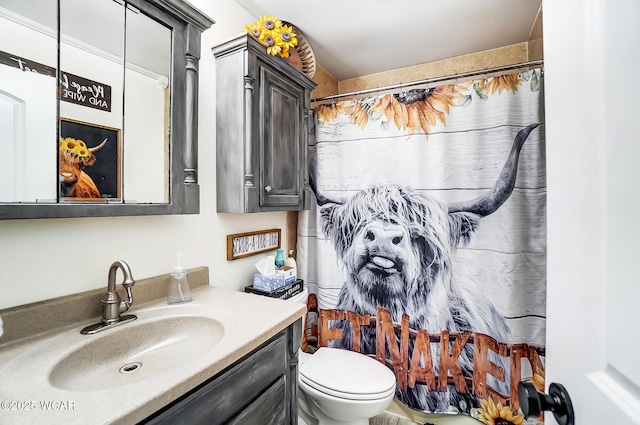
[{"x": 47, "y": 258}]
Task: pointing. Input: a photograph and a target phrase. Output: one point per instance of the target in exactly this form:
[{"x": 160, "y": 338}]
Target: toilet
[{"x": 337, "y": 386}]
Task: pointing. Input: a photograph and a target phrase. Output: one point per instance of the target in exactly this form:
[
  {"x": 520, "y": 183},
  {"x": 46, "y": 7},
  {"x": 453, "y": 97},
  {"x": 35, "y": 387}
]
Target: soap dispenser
[
  {"x": 179, "y": 290},
  {"x": 290, "y": 261}
]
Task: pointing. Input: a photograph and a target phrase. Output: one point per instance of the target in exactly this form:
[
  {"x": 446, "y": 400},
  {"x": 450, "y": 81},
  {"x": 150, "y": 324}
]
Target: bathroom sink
[
  {"x": 136, "y": 351},
  {"x": 123, "y": 374}
]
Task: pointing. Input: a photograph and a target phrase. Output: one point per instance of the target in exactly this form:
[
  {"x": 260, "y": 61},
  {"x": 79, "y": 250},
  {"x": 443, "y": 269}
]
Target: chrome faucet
[{"x": 112, "y": 304}]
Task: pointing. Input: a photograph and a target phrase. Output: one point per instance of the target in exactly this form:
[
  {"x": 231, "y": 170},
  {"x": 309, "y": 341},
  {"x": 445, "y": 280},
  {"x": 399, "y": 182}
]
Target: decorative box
[{"x": 284, "y": 292}]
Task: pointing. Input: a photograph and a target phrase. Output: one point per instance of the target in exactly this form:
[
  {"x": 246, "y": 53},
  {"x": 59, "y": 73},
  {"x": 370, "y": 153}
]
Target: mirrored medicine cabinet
[{"x": 98, "y": 107}]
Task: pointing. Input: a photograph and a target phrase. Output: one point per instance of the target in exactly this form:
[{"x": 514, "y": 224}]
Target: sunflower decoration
[
  {"x": 423, "y": 109},
  {"x": 414, "y": 110},
  {"x": 493, "y": 85},
  {"x": 537, "y": 380},
  {"x": 75, "y": 148},
  {"x": 356, "y": 110},
  {"x": 272, "y": 33},
  {"x": 327, "y": 112},
  {"x": 497, "y": 414}
]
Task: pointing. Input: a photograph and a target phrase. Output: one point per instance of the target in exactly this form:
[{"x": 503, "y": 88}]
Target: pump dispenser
[{"x": 179, "y": 290}]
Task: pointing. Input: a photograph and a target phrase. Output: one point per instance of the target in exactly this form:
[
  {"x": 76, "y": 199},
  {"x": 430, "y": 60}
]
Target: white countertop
[{"x": 27, "y": 395}]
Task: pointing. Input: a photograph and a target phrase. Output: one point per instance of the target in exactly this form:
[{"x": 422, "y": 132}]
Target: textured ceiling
[{"x": 352, "y": 38}]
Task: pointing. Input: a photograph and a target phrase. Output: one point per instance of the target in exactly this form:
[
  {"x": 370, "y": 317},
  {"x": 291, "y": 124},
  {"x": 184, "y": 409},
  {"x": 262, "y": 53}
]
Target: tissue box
[
  {"x": 271, "y": 282},
  {"x": 289, "y": 274}
]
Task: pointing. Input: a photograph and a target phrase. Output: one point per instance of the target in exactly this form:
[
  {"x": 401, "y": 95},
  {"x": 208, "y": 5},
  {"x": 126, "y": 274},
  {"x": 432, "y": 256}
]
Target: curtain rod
[{"x": 433, "y": 80}]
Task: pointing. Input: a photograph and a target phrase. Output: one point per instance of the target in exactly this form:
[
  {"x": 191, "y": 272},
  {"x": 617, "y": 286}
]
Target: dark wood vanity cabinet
[
  {"x": 260, "y": 388},
  {"x": 262, "y": 123}
]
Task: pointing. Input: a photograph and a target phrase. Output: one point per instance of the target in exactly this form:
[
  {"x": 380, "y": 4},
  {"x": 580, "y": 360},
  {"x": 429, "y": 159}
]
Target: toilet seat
[{"x": 347, "y": 375}]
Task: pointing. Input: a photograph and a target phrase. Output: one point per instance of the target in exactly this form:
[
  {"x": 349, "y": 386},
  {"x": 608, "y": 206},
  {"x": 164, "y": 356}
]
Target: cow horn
[
  {"x": 501, "y": 190},
  {"x": 320, "y": 198},
  {"x": 100, "y": 146}
]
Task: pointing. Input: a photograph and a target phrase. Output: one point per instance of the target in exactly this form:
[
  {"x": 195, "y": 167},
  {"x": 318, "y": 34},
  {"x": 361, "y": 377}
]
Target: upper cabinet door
[{"x": 282, "y": 126}]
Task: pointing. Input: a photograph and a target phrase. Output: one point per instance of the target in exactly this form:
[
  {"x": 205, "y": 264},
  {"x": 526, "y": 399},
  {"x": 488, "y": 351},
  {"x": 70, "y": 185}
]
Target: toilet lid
[{"x": 347, "y": 374}]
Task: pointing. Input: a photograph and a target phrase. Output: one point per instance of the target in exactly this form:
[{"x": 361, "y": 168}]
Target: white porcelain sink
[{"x": 136, "y": 351}]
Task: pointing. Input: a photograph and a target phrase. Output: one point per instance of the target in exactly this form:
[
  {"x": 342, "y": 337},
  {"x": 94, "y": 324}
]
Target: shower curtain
[{"x": 426, "y": 248}]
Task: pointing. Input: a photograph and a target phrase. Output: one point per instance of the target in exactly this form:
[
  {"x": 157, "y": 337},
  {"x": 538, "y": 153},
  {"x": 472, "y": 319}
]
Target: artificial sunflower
[
  {"x": 272, "y": 47},
  {"x": 75, "y": 148},
  {"x": 276, "y": 36},
  {"x": 492, "y": 414},
  {"x": 270, "y": 22},
  {"x": 254, "y": 29},
  {"x": 288, "y": 38}
]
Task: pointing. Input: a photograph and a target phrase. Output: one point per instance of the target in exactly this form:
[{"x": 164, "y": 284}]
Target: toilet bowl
[{"x": 337, "y": 386}]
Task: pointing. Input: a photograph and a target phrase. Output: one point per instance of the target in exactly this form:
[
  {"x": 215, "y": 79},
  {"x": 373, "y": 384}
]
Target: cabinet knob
[{"x": 268, "y": 188}]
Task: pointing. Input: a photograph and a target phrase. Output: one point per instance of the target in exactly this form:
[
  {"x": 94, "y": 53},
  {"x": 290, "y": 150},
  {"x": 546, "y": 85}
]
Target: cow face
[{"x": 394, "y": 241}]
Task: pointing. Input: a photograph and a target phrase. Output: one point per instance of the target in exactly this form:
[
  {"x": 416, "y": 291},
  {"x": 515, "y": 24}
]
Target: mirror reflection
[
  {"x": 147, "y": 101},
  {"x": 107, "y": 139},
  {"x": 28, "y": 63}
]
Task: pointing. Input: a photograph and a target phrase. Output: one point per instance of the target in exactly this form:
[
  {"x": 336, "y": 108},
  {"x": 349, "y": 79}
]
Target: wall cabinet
[
  {"x": 262, "y": 127},
  {"x": 260, "y": 388}
]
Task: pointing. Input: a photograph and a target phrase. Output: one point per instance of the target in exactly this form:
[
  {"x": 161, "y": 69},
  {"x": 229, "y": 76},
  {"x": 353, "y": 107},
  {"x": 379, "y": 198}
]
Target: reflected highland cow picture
[{"x": 89, "y": 162}]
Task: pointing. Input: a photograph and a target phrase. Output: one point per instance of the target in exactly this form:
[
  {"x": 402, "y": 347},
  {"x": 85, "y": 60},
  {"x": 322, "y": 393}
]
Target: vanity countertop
[{"x": 29, "y": 397}]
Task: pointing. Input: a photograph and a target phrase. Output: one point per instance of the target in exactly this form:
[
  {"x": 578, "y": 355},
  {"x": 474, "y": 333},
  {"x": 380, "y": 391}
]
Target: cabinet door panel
[
  {"x": 218, "y": 400},
  {"x": 281, "y": 127},
  {"x": 268, "y": 408}
]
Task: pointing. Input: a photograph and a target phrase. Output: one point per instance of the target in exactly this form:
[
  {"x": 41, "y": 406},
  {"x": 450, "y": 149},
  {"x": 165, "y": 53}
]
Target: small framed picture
[
  {"x": 89, "y": 162},
  {"x": 242, "y": 245}
]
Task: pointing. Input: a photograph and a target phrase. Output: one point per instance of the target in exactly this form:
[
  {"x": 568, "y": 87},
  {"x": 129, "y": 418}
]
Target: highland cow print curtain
[{"x": 426, "y": 248}]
